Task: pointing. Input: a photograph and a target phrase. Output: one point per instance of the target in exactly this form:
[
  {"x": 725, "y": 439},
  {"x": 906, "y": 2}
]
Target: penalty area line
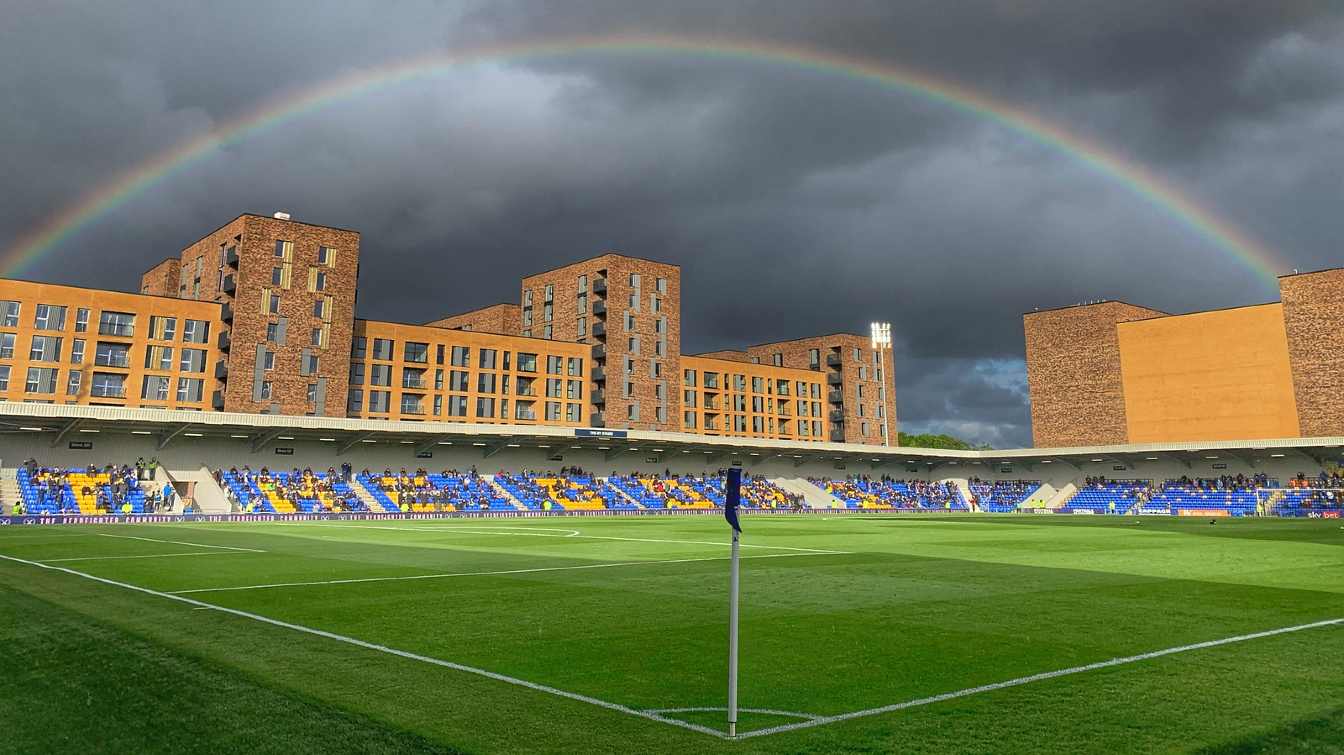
[
  {"x": 605, "y": 704},
  {"x": 180, "y": 542},
  {"x": 825, "y": 720},
  {"x": 533, "y": 570}
]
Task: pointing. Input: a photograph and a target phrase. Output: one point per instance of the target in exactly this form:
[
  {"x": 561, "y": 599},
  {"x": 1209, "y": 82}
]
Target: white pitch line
[
  {"x": 607, "y": 565},
  {"x": 511, "y": 531},
  {"x": 153, "y": 555},
  {"x": 179, "y": 542},
  {"x": 616, "y": 707},
  {"x": 824, "y": 720},
  {"x": 762, "y": 711}
]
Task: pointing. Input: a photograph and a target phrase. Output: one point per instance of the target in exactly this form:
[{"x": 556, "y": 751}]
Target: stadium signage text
[
  {"x": 81, "y": 445},
  {"x": 589, "y": 432},
  {"x": 284, "y": 451}
]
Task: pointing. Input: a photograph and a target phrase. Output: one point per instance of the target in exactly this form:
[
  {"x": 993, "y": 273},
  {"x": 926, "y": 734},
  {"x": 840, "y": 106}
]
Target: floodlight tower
[{"x": 881, "y": 341}]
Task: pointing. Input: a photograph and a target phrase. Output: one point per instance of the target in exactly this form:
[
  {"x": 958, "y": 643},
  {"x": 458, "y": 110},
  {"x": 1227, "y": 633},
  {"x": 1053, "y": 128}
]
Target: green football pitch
[{"x": 859, "y": 634}]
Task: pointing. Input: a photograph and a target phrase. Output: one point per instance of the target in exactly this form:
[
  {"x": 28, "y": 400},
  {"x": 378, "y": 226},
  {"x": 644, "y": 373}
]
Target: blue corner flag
[{"x": 732, "y": 497}]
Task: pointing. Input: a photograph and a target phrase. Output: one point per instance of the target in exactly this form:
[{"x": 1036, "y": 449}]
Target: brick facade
[
  {"x": 1073, "y": 373},
  {"x": 161, "y": 280},
  {"x": 614, "y": 302},
  {"x": 1313, "y": 314},
  {"x": 861, "y": 389},
  {"x": 732, "y": 355},
  {"x": 501, "y": 319},
  {"x": 738, "y": 398}
]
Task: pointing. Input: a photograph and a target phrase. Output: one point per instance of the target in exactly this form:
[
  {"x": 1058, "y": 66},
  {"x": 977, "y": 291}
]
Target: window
[
  {"x": 411, "y": 378},
  {"x": 380, "y": 374},
  {"x": 527, "y": 362},
  {"x": 457, "y": 381},
  {"x": 6, "y": 345},
  {"x": 354, "y": 401},
  {"x": 118, "y": 355},
  {"x": 553, "y": 387},
  {"x": 195, "y": 331},
  {"x": 655, "y": 369},
  {"x": 457, "y": 406},
  {"x": 777, "y": 359},
  {"x": 271, "y": 302},
  {"x": 633, "y": 345},
  {"x": 655, "y": 304},
  {"x": 485, "y": 408},
  {"x": 863, "y": 372},
  {"x": 155, "y": 388},
  {"x": 9, "y": 314},
  {"x": 359, "y": 347},
  {"x": 486, "y": 359},
  {"x": 547, "y": 312},
  {"x": 326, "y": 256},
  {"x": 318, "y": 337},
  {"x": 310, "y": 395},
  {"x": 632, "y": 411},
  {"x": 268, "y": 360},
  {"x": 76, "y": 350},
  {"x": 105, "y": 384},
  {"x": 41, "y": 380},
  {"x": 116, "y": 324},
  {"x": 156, "y": 357},
  {"x": 461, "y": 356},
  {"x": 163, "y": 328},
  {"x": 4, "y": 377},
  {"x": 485, "y": 382},
  {"x": 379, "y": 401},
  {"x": 547, "y": 332},
  {"x": 555, "y": 365},
  {"x": 573, "y": 389},
  {"x": 356, "y": 373},
  {"x": 550, "y": 292},
  {"x": 523, "y": 411},
  {"x": 382, "y": 349},
  {"x": 688, "y": 420},
  {"x": 583, "y": 327},
  {"x": 81, "y": 320},
  {"x": 45, "y": 349},
  {"x": 49, "y": 317},
  {"x": 552, "y": 411},
  {"x": 277, "y": 276},
  {"x": 72, "y": 384},
  {"x": 319, "y": 308},
  {"x": 572, "y": 412},
  {"x": 412, "y": 404},
  {"x": 273, "y": 332},
  {"x": 438, "y": 406},
  {"x": 757, "y": 385},
  {"x": 284, "y": 250},
  {"x": 416, "y": 352},
  {"x": 857, "y": 356},
  {"x": 438, "y": 354},
  {"x": 317, "y": 280},
  {"x": 311, "y": 364},
  {"x": 583, "y": 284},
  {"x": 629, "y": 322}
]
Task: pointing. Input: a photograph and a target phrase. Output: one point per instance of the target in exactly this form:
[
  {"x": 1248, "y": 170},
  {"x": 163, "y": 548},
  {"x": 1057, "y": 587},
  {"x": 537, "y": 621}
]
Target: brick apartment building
[{"x": 259, "y": 317}]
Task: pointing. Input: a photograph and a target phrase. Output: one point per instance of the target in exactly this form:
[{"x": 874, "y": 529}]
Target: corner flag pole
[{"x": 733, "y": 493}]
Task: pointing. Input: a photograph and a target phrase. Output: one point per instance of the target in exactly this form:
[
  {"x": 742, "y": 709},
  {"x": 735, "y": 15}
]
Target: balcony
[
  {"x": 413, "y": 382},
  {"x": 600, "y": 308},
  {"x": 835, "y": 378},
  {"x": 599, "y": 397},
  {"x": 224, "y": 341},
  {"x": 837, "y": 415},
  {"x": 217, "y": 400},
  {"x": 600, "y": 286},
  {"x": 600, "y": 352},
  {"x": 116, "y": 329},
  {"x": 231, "y": 257},
  {"x": 599, "y": 375},
  {"x": 836, "y": 397},
  {"x": 119, "y": 361},
  {"x": 599, "y": 330},
  {"x": 221, "y": 370},
  {"x": 837, "y": 435},
  {"x": 226, "y": 313},
  {"x": 597, "y": 419},
  {"x": 833, "y": 359},
  {"x": 229, "y": 285},
  {"x": 108, "y": 391}
]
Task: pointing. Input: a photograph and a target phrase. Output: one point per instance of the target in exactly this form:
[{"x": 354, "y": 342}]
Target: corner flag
[{"x": 732, "y": 497}]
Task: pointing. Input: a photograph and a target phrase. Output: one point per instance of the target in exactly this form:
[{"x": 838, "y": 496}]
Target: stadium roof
[{"x": 261, "y": 430}]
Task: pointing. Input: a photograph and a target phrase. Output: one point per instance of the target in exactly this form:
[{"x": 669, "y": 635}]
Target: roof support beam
[
  {"x": 431, "y": 443},
  {"x": 801, "y": 460},
  {"x": 612, "y": 453},
  {"x": 491, "y": 450},
  {"x": 168, "y": 435},
  {"x": 65, "y": 430},
  {"x": 261, "y": 440},
  {"x": 352, "y": 442}
]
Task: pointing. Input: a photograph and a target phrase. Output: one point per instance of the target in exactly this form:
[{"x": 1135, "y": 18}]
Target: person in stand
[{"x": 168, "y": 493}]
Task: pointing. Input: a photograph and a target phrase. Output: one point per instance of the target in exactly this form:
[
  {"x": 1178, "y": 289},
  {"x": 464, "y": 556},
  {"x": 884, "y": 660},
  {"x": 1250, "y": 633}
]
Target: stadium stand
[
  {"x": 1002, "y": 496},
  {"x": 92, "y": 490},
  {"x": 296, "y": 491},
  {"x": 1104, "y": 496},
  {"x": 1235, "y": 496},
  {"x": 422, "y": 492},
  {"x": 860, "y": 492}
]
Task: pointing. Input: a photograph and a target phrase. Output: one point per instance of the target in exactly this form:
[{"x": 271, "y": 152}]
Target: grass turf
[{"x": 911, "y": 607}]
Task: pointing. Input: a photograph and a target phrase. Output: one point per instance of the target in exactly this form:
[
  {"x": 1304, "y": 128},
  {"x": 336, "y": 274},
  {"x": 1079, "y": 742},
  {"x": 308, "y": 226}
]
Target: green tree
[{"x": 940, "y": 440}]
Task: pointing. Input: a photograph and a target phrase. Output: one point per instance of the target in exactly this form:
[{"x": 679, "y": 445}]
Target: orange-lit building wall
[
  {"x": 1220, "y": 375},
  {"x": 745, "y": 400}
]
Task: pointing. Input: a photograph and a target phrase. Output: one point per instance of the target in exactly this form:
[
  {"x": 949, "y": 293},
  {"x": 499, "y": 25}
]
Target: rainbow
[{"x": 1139, "y": 180}]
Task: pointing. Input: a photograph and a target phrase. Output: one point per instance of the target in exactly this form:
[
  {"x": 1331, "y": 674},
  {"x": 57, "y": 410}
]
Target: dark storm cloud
[{"x": 796, "y": 201}]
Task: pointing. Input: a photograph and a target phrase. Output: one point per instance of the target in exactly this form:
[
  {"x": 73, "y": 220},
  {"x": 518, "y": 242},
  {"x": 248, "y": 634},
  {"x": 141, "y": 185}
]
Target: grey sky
[{"x": 796, "y": 201}]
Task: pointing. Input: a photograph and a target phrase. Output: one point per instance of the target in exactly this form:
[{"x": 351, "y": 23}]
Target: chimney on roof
[{"x": 281, "y": 216}]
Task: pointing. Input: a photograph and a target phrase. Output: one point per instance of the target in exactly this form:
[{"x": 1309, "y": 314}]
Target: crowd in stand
[
  {"x": 298, "y": 485},
  {"x": 415, "y": 489},
  {"x": 110, "y": 497}
]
